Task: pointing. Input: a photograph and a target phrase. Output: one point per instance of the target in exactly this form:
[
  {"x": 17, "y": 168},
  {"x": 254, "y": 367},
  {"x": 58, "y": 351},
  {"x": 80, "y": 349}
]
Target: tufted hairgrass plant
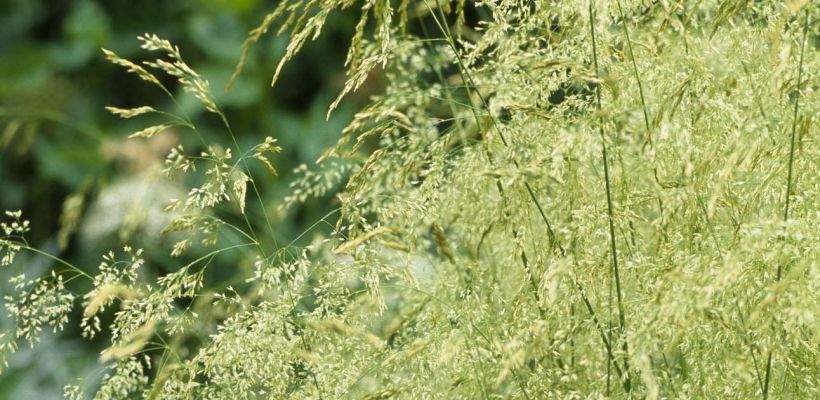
[{"x": 548, "y": 199}]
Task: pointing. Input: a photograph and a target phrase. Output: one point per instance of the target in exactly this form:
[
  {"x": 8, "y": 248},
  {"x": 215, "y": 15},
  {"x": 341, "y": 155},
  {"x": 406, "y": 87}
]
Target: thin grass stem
[{"x": 612, "y": 240}]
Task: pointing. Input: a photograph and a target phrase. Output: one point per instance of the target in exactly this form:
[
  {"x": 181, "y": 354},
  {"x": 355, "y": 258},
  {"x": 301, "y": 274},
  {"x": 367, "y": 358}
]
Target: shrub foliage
[{"x": 548, "y": 199}]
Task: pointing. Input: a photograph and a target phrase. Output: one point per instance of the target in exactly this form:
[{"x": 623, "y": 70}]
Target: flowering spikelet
[
  {"x": 11, "y": 232},
  {"x": 130, "y": 112},
  {"x": 131, "y": 67},
  {"x": 190, "y": 80},
  {"x": 149, "y": 131}
]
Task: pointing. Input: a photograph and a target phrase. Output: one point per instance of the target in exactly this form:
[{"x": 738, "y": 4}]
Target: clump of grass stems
[{"x": 571, "y": 199}]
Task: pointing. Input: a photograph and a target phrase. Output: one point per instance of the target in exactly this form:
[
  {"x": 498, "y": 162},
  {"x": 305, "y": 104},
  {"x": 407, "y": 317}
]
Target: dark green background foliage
[{"x": 56, "y": 139}]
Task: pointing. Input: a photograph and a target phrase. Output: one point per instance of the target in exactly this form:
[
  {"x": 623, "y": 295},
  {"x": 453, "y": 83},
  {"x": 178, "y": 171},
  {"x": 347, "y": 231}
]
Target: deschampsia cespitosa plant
[{"x": 547, "y": 199}]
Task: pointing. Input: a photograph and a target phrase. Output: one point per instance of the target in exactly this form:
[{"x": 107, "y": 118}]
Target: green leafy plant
[{"x": 546, "y": 200}]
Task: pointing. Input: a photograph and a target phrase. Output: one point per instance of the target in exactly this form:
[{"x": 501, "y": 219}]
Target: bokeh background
[{"x": 67, "y": 164}]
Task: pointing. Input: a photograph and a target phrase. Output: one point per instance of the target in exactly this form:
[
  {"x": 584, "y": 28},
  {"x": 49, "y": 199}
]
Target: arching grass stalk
[
  {"x": 613, "y": 247},
  {"x": 744, "y": 337},
  {"x": 468, "y": 79},
  {"x": 635, "y": 70},
  {"x": 789, "y": 178},
  {"x": 253, "y": 184},
  {"x": 644, "y": 109},
  {"x": 70, "y": 266}
]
